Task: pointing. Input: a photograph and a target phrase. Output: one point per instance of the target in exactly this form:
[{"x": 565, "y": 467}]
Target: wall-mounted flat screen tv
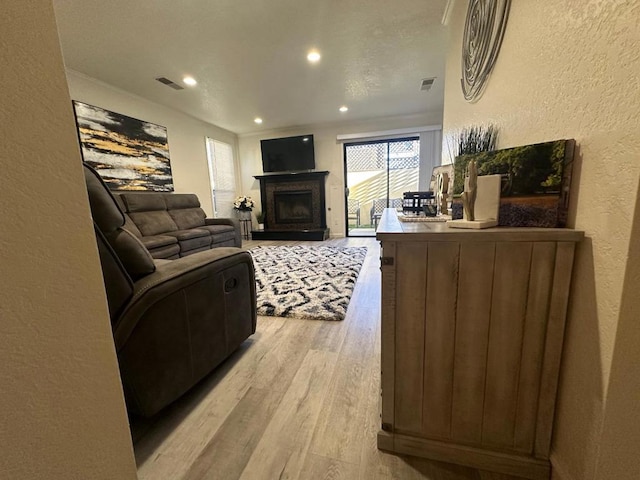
[{"x": 288, "y": 154}]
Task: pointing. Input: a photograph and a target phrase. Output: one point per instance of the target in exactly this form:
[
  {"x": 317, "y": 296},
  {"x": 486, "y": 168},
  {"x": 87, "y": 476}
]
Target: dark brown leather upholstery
[{"x": 179, "y": 319}]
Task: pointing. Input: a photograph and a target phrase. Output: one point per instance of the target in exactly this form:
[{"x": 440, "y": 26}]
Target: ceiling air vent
[
  {"x": 169, "y": 83},
  {"x": 427, "y": 83}
]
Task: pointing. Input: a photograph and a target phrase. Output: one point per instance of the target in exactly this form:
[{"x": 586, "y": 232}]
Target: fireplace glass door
[{"x": 293, "y": 206}]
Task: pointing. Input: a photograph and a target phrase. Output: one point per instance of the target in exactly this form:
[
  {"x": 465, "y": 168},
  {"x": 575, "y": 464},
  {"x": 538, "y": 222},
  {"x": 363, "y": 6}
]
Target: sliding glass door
[{"x": 377, "y": 173}]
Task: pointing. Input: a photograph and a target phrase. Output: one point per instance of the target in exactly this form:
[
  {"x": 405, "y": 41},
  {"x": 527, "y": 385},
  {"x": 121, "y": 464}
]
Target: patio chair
[
  {"x": 353, "y": 211},
  {"x": 378, "y": 206},
  {"x": 396, "y": 203}
]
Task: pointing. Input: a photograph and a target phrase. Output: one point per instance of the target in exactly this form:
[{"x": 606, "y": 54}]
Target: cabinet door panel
[
  {"x": 411, "y": 283},
  {"x": 508, "y": 308},
  {"x": 540, "y": 281},
  {"x": 472, "y": 336},
  {"x": 553, "y": 346},
  {"x": 439, "y": 340}
]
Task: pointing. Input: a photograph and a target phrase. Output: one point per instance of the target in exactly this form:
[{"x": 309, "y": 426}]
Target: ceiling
[{"x": 249, "y": 56}]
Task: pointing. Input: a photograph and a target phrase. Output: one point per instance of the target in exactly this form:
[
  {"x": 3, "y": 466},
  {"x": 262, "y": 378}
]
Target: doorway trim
[{"x": 413, "y": 136}]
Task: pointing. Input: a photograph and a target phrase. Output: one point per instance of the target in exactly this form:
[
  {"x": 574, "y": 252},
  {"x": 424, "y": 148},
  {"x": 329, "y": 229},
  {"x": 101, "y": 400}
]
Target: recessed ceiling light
[
  {"x": 313, "y": 56},
  {"x": 189, "y": 81},
  {"x": 343, "y": 108},
  {"x": 258, "y": 120}
]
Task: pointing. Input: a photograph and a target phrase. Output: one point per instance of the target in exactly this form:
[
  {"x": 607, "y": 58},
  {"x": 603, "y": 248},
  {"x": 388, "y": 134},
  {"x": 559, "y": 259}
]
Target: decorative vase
[
  {"x": 244, "y": 214},
  {"x": 261, "y": 226}
]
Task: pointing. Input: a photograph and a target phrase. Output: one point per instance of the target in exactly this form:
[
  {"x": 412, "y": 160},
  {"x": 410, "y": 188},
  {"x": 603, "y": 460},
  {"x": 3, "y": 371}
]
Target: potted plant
[{"x": 260, "y": 219}]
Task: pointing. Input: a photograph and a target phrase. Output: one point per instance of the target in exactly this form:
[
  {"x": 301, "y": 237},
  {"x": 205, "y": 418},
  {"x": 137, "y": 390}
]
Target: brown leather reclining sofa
[
  {"x": 173, "y": 321},
  {"x": 172, "y": 225}
]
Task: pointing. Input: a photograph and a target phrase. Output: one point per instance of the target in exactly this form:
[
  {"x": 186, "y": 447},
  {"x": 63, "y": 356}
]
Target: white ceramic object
[{"x": 487, "y": 205}]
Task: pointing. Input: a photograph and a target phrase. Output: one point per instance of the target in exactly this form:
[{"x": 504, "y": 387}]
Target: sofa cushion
[
  {"x": 144, "y": 202},
  {"x": 153, "y": 222},
  {"x": 192, "y": 239},
  {"x": 224, "y": 243},
  {"x": 128, "y": 223},
  {"x": 218, "y": 229},
  {"x": 168, "y": 252},
  {"x": 186, "y": 253},
  {"x": 202, "y": 243},
  {"x": 161, "y": 261},
  {"x": 135, "y": 258},
  {"x": 132, "y": 227},
  {"x": 177, "y": 201},
  {"x": 118, "y": 198},
  {"x": 119, "y": 285},
  {"x": 228, "y": 239},
  {"x": 157, "y": 241},
  {"x": 189, "y": 234},
  {"x": 221, "y": 233},
  {"x": 188, "y": 217}
]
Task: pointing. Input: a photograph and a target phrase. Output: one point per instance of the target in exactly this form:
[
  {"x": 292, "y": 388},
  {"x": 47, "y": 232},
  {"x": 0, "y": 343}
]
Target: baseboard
[
  {"x": 494, "y": 461},
  {"x": 558, "y": 469}
]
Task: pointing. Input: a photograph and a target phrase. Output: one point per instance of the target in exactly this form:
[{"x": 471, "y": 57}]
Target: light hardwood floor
[{"x": 299, "y": 399}]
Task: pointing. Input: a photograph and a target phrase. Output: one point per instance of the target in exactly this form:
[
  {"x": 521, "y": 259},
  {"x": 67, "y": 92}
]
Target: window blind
[{"x": 223, "y": 177}]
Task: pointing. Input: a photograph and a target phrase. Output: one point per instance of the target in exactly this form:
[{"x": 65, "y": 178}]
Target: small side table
[{"x": 245, "y": 228}]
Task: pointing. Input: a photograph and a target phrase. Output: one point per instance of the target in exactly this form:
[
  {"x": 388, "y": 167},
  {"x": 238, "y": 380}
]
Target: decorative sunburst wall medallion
[{"x": 483, "y": 33}]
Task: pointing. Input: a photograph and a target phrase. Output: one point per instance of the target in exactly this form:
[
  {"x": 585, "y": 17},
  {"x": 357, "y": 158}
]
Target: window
[{"x": 222, "y": 176}]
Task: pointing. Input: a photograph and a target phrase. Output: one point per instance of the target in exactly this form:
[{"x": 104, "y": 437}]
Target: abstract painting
[
  {"x": 535, "y": 182},
  {"x": 129, "y": 154}
]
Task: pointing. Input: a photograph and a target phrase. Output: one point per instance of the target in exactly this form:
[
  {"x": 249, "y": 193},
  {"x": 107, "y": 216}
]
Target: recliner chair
[{"x": 173, "y": 321}]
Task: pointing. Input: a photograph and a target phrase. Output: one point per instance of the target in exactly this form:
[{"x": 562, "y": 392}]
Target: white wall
[
  {"x": 186, "y": 135},
  {"x": 571, "y": 69},
  {"x": 61, "y": 404},
  {"x": 328, "y": 154}
]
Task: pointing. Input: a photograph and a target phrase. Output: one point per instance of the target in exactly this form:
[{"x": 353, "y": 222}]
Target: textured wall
[
  {"x": 61, "y": 406},
  {"x": 328, "y": 154},
  {"x": 620, "y": 440},
  {"x": 571, "y": 69},
  {"x": 186, "y": 134}
]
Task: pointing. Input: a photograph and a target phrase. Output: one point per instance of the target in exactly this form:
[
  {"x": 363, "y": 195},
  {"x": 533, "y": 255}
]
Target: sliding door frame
[{"x": 346, "y": 192}]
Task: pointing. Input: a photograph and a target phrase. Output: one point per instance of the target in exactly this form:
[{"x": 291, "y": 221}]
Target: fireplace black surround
[{"x": 294, "y": 206}]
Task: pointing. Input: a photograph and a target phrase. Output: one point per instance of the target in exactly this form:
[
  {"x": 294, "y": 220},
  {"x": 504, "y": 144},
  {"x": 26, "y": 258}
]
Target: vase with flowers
[{"x": 244, "y": 205}]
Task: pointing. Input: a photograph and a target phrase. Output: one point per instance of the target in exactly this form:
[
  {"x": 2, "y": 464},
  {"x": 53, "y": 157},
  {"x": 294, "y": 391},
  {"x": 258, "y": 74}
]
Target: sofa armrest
[
  {"x": 235, "y": 223},
  {"x": 175, "y": 276}
]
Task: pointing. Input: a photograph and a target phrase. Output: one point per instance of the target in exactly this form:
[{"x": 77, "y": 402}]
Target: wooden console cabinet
[{"x": 472, "y": 331}]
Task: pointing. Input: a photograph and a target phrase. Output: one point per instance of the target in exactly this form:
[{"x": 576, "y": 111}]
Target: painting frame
[
  {"x": 536, "y": 182},
  {"x": 129, "y": 154}
]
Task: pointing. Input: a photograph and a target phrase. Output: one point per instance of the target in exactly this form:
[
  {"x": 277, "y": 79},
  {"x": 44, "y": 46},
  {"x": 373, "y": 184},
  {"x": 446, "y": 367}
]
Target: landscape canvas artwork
[
  {"x": 129, "y": 154},
  {"x": 535, "y": 182}
]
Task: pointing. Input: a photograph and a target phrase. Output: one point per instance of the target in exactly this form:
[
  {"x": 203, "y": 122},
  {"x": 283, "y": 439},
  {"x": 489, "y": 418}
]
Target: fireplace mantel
[
  {"x": 288, "y": 176},
  {"x": 294, "y": 206}
]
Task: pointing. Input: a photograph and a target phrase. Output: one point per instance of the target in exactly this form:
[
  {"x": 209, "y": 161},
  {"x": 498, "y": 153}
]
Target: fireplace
[{"x": 294, "y": 206}]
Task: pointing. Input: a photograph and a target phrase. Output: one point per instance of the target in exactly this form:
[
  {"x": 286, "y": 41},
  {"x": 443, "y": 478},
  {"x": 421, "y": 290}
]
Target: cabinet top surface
[{"x": 391, "y": 228}]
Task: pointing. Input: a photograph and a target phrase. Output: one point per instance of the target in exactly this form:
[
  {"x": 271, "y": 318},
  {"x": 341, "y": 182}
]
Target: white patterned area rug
[{"x": 306, "y": 282}]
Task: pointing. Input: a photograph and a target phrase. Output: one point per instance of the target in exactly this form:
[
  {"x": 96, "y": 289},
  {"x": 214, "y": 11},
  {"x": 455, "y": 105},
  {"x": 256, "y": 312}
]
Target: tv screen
[{"x": 288, "y": 154}]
